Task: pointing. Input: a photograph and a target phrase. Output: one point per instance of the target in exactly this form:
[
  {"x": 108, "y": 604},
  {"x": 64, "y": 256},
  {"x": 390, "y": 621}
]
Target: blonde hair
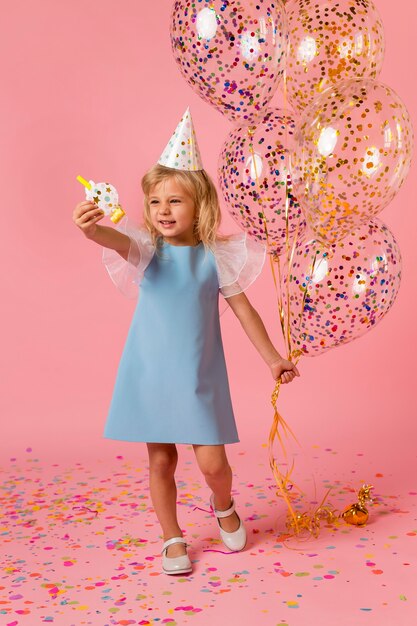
[{"x": 202, "y": 190}]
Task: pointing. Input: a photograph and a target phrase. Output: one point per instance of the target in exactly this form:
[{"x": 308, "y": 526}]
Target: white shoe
[
  {"x": 235, "y": 540},
  {"x": 176, "y": 564}
]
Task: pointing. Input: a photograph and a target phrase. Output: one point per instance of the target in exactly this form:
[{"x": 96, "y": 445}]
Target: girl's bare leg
[
  {"x": 163, "y": 458},
  {"x": 217, "y": 472}
]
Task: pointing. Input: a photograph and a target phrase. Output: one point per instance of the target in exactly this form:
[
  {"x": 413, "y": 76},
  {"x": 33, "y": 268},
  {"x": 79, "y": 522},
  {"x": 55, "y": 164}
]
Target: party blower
[{"x": 105, "y": 196}]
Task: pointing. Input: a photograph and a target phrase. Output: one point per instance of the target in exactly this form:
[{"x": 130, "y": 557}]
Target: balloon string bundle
[
  {"x": 297, "y": 523},
  {"x": 286, "y": 487},
  {"x": 307, "y": 522}
]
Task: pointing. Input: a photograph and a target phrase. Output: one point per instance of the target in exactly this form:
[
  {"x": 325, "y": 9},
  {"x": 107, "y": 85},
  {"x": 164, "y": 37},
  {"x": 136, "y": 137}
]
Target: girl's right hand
[
  {"x": 284, "y": 369},
  {"x": 86, "y": 214}
]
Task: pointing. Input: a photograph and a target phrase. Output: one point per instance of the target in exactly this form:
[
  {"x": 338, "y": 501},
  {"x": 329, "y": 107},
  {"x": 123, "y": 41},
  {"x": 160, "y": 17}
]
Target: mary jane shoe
[
  {"x": 235, "y": 540},
  {"x": 176, "y": 564}
]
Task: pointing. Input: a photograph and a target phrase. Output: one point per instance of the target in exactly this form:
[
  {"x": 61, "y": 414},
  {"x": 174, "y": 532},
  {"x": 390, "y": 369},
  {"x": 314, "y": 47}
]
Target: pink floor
[{"x": 81, "y": 546}]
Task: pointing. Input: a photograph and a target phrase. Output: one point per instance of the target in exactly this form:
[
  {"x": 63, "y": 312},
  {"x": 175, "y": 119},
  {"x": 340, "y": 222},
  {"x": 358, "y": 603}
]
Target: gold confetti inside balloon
[
  {"x": 352, "y": 153},
  {"x": 329, "y": 42},
  {"x": 339, "y": 293}
]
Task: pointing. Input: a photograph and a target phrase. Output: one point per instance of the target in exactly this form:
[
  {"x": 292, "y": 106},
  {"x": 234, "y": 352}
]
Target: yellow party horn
[
  {"x": 105, "y": 196},
  {"x": 83, "y": 181}
]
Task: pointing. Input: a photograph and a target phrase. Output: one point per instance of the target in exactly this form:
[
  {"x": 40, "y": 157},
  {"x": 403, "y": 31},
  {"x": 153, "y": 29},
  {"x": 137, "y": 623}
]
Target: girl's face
[{"x": 172, "y": 212}]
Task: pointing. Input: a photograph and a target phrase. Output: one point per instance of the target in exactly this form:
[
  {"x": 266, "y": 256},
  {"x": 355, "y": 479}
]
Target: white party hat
[{"x": 182, "y": 152}]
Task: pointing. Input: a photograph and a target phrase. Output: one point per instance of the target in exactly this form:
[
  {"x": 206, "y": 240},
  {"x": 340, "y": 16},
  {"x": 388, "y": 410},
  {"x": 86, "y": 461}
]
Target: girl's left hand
[{"x": 284, "y": 368}]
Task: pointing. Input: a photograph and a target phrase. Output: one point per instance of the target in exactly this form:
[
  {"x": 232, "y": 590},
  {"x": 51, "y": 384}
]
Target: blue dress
[{"x": 171, "y": 385}]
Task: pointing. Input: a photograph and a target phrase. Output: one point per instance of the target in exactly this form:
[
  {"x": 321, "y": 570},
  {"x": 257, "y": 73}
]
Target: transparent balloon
[
  {"x": 231, "y": 52},
  {"x": 338, "y": 293},
  {"x": 352, "y": 153},
  {"x": 329, "y": 42},
  {"x": 254, "y": 177}
]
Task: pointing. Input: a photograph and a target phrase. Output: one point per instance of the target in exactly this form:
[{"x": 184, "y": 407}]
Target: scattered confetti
[{"x": 83, "y": 539}]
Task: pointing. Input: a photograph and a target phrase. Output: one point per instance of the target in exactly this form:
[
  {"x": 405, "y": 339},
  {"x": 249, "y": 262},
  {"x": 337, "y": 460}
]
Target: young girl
[{"x": 171, "y": 385}]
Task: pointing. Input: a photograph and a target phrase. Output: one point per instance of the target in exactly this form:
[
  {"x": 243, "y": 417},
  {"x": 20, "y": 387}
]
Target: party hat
[{"x": 182, "y": 152}]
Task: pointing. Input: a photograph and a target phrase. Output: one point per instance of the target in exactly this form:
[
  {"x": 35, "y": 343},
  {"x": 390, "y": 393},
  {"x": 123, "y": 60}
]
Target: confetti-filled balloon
[
  {"x": 329, "y": 42},
  {"x": 231, "y": 52},
  {"x": 339, "y": 293},
  {"x": 255, "y": 180},
  {"x": 352, "y": 153}
]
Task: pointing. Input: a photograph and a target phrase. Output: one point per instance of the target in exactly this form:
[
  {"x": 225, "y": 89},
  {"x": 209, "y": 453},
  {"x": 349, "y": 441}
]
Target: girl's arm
[
  {"x": 256, "y": 331},
  {"x": 111, "y": 238}
]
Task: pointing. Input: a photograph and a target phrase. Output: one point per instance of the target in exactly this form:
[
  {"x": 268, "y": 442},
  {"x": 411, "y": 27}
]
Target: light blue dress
[{"x": 171, "y": 384}]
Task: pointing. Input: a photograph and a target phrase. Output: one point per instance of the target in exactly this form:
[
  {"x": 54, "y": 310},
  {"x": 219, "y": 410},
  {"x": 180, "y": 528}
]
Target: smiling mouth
[{"x": 167, "y": 222}]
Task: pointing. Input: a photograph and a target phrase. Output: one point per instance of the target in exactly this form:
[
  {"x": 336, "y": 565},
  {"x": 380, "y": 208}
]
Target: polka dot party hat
[{"x": 182, "y": 152}]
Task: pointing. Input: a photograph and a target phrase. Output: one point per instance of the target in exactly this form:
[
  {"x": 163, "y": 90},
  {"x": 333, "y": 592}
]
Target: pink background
[{"x": 92, "y": 88}]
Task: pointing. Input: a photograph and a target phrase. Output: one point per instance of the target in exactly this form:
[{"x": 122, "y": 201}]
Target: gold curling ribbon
[
  {"x": 355, "y": 515},
  {"x": 310, "y": 522},
  {"x": 286, "y": 487}
]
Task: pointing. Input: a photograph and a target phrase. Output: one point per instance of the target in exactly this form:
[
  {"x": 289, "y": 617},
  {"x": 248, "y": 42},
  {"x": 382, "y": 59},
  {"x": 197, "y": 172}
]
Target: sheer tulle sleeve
[
  {"x": 127, "y": 274},
  {"x": 239, "y": 262}
]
